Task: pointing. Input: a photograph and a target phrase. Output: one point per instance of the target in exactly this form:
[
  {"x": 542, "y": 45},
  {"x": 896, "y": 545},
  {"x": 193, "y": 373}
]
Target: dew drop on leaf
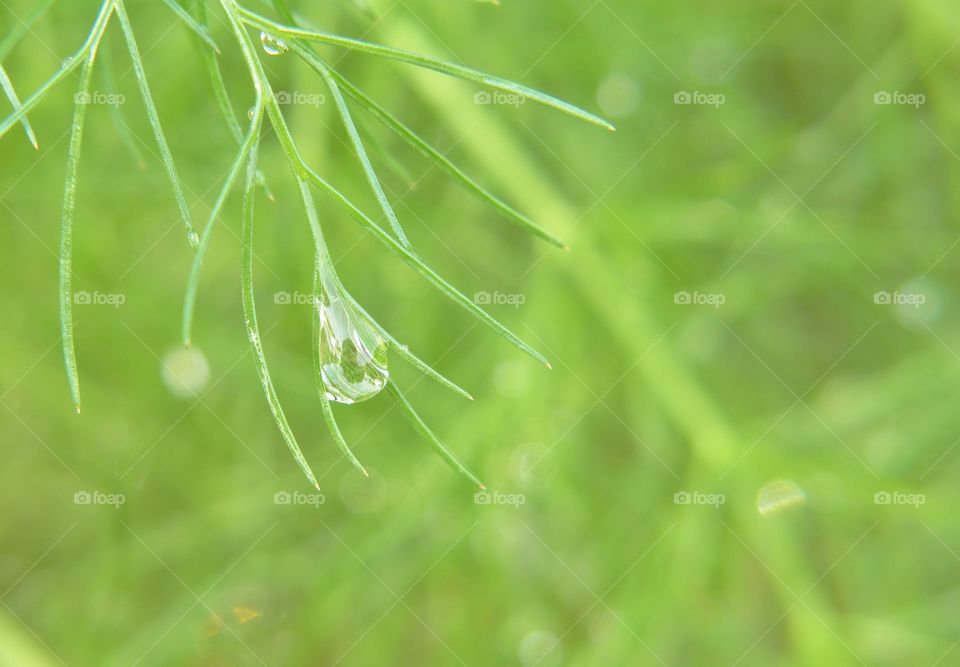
[
  {"x": 272, "y": 46},
  {"x": 185, "y": 372},
  {"x": 352, "y": 354}
]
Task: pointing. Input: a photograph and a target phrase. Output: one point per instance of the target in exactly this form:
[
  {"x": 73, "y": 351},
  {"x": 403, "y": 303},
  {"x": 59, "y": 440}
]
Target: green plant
[{"x": 350, "y": 347}]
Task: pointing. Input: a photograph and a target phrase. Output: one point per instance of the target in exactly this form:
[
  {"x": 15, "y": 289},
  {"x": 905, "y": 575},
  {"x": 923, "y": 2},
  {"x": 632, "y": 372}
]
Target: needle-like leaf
[
  {"x": 433, "y": 154},
  {"x": 220, "y": 92},
  {"x": 81, "y": 101},
  {"x": 420, "y": 60},
  {"x": 250, "y": 311},
  {"x": 318, "y": 376},
  {"x": 22, "y": 27},
  {"x": 425, "y": 431},
  {"x": 417, "y": 264},
  {"x": 119, "y": 122},
  {"x": 408, "y": 135},
  {"x": 11, "y": 94},
  {"x": 197, "y": 29},
  {"x": 362, "y": 154},
  {"x": 190, "y": 299},
  {"x": 404, "y": 353},
  {"x": 66, "y": 68},
  {"x": 154, "y": 119}
]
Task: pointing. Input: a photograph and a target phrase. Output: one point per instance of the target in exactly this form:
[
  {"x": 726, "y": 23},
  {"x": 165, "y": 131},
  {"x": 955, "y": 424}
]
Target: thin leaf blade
[
  {"x": 426, "y": 62},
  {"x": 165, "y": 155},
  {"x": 449, "y": 457},
  {"x": 11, "y": 94}
]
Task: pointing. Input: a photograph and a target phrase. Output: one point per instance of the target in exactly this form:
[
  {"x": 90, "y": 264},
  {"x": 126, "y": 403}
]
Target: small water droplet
[
  {"x": 272, "y": 46},
  {"x": 779, "y": 495},
  {"x": 618, "y": 95},
  {"x": 185, "y": 372},
  {"x": 353, "y": 355},
  {"x": 250, "y": 112},
  {"x": 194, "y": 239}
]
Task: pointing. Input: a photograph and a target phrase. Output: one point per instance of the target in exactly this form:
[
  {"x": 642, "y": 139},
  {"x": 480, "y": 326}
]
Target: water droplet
[
  {"x": 250, "y": 112},
  {"x": 194, "y": 239},
  {"x": 779, "y": 495},
  {"x": 185, "y": 372},
  {"x": 618, "y": 95},
  {"x": 272, "y": 46},
  {"x": 353, "y": 355}
]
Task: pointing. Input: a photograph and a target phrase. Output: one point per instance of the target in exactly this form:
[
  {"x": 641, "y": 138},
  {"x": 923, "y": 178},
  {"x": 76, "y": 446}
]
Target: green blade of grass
[
  {"x": 66, "y": 68},
  {"x": 417, "y": 264},
  {"x": 404, "y": 353},
  {"x": 190, "y": 298},
  {"x": 361, "y": 153},
  {"x": 65, "y": 284},
  {"x": 250, "y": 318},
  {"x": 220, "y": 93},
  {"x": 441, "y": 161},
  {"x": 434, "y": 441},
  {"x": 396, "y": 167},
  {"x": 191, "y": 23},
  {"x": 22, "y": 27},
  {"x": 11, "y": 94},
  {"x": 318, "y": 376},
  {"x": 408, "y": 135},
  {"x": 154, "y": 119},
  {"x": 123, "y": 130},
  {"x": 420, "y": 60}
]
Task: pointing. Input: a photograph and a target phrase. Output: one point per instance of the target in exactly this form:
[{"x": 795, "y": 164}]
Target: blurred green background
[{"x": 746, "y": 451}]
